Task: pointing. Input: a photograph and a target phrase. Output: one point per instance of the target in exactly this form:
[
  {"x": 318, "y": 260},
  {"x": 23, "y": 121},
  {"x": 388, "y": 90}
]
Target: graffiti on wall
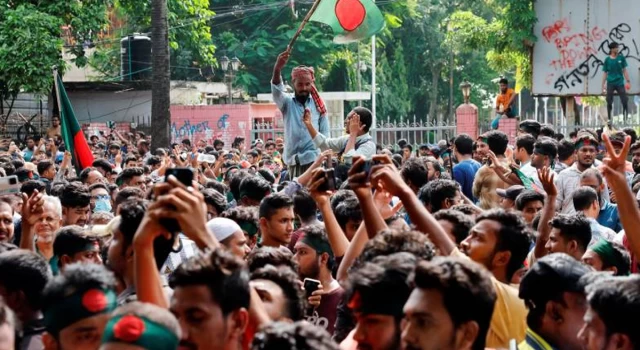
[
  {"x": 570, "y": 52},
  {"x": 190, "y": 131}
]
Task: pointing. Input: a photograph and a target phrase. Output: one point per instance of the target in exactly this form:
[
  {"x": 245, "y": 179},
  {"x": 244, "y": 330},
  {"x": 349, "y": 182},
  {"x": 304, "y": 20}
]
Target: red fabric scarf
[{"x": 302, "y": 71}]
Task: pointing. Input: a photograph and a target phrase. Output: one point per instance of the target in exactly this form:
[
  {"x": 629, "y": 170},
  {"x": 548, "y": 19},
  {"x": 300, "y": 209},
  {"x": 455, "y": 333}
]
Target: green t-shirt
[{"x": 614, "y": 68}]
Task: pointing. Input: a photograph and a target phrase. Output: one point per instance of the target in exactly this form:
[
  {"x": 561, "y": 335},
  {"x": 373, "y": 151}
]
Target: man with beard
[
  {"x": 554, "y": 294},
  {"x": 76, "y": 204},
  {"x": 316, "y": 261},
  {"x": 377, "y": 292},
  {"x": 76, "y": 306},
  {"x": 450, "y": 306},
  {"x": 569, "y": 179},
  {"x": 358, "y": 141},
  {"x": 608, "y": 215},
  {"x": 300, "y": 152},
  {"x": 492, "y": 146},
  {"x": 41, "y": 218}
]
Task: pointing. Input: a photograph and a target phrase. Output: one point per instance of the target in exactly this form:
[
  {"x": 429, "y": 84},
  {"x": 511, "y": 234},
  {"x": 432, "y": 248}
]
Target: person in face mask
[{"x": 100, "y": 198}]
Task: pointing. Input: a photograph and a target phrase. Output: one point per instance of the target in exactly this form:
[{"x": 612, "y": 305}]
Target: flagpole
[
  {"x": 55, "y": 84},
  {"x": 303, "y": 24}
]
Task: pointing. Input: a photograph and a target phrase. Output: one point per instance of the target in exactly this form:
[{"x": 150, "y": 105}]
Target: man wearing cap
[
  {"x": 508, "y": 196},
  {"x": 73, "y": 245},
  {"x": 230, "y": 235},
  {"x": 300, "y": 152},
  {"x": 358, "y": 141},
  {"x": 141, "y": 326},
  {"x": 76, "y": 307},
  {"x": 569, "y": 179},
  {"x": 315, "y": 260},
  {"x": 425, "y": 150},
  {"x": 554, "y": 295}
]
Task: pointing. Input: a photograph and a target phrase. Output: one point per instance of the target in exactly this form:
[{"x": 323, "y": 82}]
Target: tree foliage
[{"x": 31, "y": 40}]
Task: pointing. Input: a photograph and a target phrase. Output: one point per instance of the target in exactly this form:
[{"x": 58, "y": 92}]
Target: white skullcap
[{"x": 222, "y": 228}]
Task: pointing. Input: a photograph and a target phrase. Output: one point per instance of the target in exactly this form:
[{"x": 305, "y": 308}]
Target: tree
[
  {"x": 161, "y": 87},
  {"x": 394, "y": 90},
  {"x": 32, "y": 44}
]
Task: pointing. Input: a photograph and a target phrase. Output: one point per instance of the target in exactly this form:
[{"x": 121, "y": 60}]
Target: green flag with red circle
[{"x": 351, "y": 20}]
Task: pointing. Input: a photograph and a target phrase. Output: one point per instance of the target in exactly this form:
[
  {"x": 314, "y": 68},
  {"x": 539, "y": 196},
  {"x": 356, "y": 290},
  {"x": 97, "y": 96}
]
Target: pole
[
  {"x": 230, "y": 87},
  {"x": 303, "y": 24},
  {"x": 359, "y": 75},
  {"x": 373, "y": 86}
]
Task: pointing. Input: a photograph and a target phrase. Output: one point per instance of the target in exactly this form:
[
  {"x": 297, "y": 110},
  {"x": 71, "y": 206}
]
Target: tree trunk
[
  {"x": 161, "y": 86},
  {"x": 433, "y": 95}
]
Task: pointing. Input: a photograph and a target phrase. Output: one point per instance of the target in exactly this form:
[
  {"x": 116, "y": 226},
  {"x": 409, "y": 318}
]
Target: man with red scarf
[{"x": 299, "y": 151}]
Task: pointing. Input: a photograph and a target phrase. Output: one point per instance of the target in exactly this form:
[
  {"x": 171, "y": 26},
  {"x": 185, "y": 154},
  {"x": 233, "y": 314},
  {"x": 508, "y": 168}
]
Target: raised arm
[
  {"x": 546, "y": 176},
  {"x": 277, "y": 69},
  {"x": 387, "y": 177},
  {"x": 306, "y": 118},
  {"x": 337, "y": 239},
  {"x": 31, "y": 210},
  {"x": 359, "y": 182}
]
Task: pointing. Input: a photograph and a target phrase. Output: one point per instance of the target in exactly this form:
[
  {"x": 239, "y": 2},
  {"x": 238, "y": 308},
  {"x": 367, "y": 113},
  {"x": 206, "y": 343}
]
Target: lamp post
[
  {"x": 230, "y": 72},
  {"x": 466, "y": 91}
]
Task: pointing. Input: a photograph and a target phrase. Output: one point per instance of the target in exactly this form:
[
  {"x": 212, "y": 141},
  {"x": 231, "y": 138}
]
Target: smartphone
[
  {"x": 185, "y": 176},
  {"x": 228, "y": 156},
  {"x": 9, "y": 185},
  {"x": 329, "y": 179},
  {"x": 310, "y": 286},
  {"x": 368, "y": 164}
]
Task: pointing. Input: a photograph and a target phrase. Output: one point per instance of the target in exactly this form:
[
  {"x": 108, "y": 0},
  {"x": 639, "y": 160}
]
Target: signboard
[{"x": 573, "y": 42}]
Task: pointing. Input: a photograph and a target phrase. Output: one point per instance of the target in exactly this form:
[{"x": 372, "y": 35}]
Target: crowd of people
[{"x": 310, "y": 242}]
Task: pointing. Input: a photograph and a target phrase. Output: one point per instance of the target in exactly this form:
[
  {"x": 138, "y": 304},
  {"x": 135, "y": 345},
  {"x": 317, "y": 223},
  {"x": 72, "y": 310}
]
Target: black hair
[
  {"x": 127, "y": 193},
  {"x": 441, "y": 190},
  {"x": 84, "y": 174},
  {"x": 234, "y": 183},
  {"x": 365, "y": 117},
  {"x": 23, "y": 174},
  {"x": 71, "y": 240},
  {"x": 75, "y": 195},
  {"x": 267, "y": 175},
  {"x": 186, "y": 142},
  {"x": 255, "y": 188},
  {"x": 237, "y": 141},
  {"x": 573, "y": 227},
  {"x": 103, "y": 164},
  {"x": 525, "y": 141},
  {"x": 583, "y": 198},
  {"x": 613, "y": 45},
  {"x": 408, "y": 146},
  {"x": 465, "y": 209},
  {"x": 304, "y": 206},
  {"x": 318, "y": 233},
  {"x": 217, "y": 186},
  {"x": 388, "y": 242},
  {"x": 300, "y": 335},
  {"x": 463, "y": 144},
  {"x": 99, "y": 185},
  {"x": 127, "y": 174},
  {"x": 549, "y": 146},
  {"x": 9, "y": 169},
  {"x": 26, "y": 271},
  {"x": 504, "y": 81},
  {"x": 215, "y": 199},
  {"x": 29, "y": 186},
  {"x": 414, "y": 172},
  {"x": 566, "y": 149},
  {"x": 17, "y": 163},
  {"x": 153, "y": 160},
  {"x": 263, "y": 256},
  {"x": 466, "y": 290},
  {"x": 339, "y": 196},
  {"x": 287, "y": 279},
  {"x": 130, "y": 159},
  {"x": 273, "y": 203},
  {"x": 461, "y": 223},
  {"x": 497, "y": 142},
  {"x": 424, "y": 195},
  {"x": 617, "y": 303},
  {"x": 527, "y": 196},
  {"x": 631, "y": 132},
  {"x": 242, "y": 214},
  {"x": 43, "y": 166},
  {"x": 217, "y": 142},
  {"x": 225, "y": 275},
  {"x": 348, "y": 209},
  {"x": 513, "y": 236},
  {"x": 76, "y": 278},
  {"x": 547, "y": 131},
  {"x": 621, "y": 260}
]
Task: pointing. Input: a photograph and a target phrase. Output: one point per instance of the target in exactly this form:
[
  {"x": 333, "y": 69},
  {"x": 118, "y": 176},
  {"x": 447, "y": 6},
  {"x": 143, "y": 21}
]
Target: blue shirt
[
  {"x": 609, "y": 217},
  {"x": 298, "y": 140},
  {"x": 463, "y": 173}
]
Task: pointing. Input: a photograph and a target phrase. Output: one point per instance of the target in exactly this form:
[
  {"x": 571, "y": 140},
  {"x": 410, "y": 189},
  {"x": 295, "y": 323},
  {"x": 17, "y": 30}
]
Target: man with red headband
[{"x": 299, "y": 151}]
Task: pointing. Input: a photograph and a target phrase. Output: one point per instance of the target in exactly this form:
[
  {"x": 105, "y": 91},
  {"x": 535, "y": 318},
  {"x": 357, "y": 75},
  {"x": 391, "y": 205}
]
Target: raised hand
[
  {"x": 354, "y": 125},
  {"x": 282, "y": 60},
  {"x": 546, "y": 176},
  {"x": 315, "y": 187},
  {"x": 306, "y": 118},
  {"x": 616, "y": 161},
  {"x": 358, "y": 178},
  {"x": 382, "y": 200},
  {"x": 32, "y": 207}
]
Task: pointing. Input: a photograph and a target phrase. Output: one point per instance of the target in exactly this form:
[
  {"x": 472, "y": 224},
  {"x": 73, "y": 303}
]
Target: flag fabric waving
[
  {"x": 74, "y": 139},
  {"x": 351, "y": 20}
]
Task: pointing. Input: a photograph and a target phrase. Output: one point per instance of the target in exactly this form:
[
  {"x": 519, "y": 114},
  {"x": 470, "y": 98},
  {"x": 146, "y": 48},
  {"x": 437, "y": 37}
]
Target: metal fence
[{"x": 387, "y": 133}]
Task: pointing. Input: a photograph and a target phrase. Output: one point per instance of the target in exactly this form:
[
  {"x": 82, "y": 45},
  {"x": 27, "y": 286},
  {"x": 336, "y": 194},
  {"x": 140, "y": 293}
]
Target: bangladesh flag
[
  {"x": 72, "y": 135},
  {"x": 351, "y": 20}
]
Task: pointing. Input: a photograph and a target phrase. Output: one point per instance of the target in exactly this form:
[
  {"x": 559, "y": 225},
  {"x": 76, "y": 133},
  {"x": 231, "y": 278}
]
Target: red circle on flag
[
  {"x": 350, "y": 14},
  {"x": 129, "y": 329},
  {"x": 94, "y": 300}
]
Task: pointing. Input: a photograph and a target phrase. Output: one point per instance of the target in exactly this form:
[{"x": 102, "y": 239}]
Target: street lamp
[
  {"x": 466, "y": 91},
  {"x": 230, "y": 74}
]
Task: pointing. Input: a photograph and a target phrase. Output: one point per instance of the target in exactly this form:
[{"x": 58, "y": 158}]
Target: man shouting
[{"x": 299, "y": 151}]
